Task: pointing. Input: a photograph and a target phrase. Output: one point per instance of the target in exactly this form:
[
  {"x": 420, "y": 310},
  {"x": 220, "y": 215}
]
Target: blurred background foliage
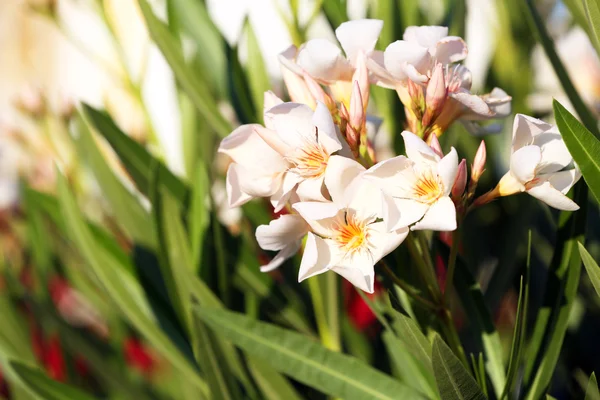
[{"x": 116, "y": 236}]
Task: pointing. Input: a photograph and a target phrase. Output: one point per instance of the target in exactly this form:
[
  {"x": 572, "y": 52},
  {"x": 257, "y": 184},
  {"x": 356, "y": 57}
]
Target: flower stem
[
  {"x": 409, "y": 290},
  {"x": 451, "y": 267},
  {"x": 328, "y": 338}
]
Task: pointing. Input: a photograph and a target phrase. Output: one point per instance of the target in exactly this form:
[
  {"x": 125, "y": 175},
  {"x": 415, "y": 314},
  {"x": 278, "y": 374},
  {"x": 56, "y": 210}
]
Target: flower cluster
[{"x": 313, "y": 158}]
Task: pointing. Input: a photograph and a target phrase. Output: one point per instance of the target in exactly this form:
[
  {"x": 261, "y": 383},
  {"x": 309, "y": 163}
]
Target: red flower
[
  {"x": 358, "y": 310},
  {"x": 137, "y": 356}
]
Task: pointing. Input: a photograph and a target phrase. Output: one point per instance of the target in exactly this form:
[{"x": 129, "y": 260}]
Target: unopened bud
[
  {"x": 357, "y": 110},
  {"x": 353, "y": 139},
  {"x": 297, "y": 88},
  {"x": 344, "y": 114},
  {"x": 361, "y": 75},
  {"x": 461, "y": 180},
  {"x": 317, "y": 92},
  {"x": 434, "y": 143},
  {"x": 479, "y": 162},
  {"x": 435, "y": 94}
]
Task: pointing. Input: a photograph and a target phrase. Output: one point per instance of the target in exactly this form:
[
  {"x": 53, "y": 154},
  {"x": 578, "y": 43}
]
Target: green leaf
[
  {"x": 591, "y": 393},
  {"x": 583, "y": 146},
  {"x": 592, "y": 13},
  {"x": 482, "y": 324},
  {"x": 175, "y": 256},
  {"x": 189, "y": 80},
  {"x": 414, "y": 373},
  {"x": 124, "y": 205},
  {"x": 45, "y": 387},
  {"x": 135, "y": 158},
  {"x": 127, "y": 297},
  {"x": 196, "y": 21},
  {"x": 272, "y": 384},
  {"x": 537, "y": 24},
  {"x": 258, "y": 78},
  {"x": 305, "y": 360},
  {"x": 199, "y": 215},
  {"x": 592, "y": 268},
  {"x": 335, "y": 12},
  {"x": 454, "y": 381},
  {"x": 560, "y": 293}
]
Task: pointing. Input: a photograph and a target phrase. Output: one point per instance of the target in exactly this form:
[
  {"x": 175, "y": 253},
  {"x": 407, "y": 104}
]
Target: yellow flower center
[
  {"x": 427, "y": 188},
  {"x": 351, "y": 234},
  {"x": 310, "y": 161}
]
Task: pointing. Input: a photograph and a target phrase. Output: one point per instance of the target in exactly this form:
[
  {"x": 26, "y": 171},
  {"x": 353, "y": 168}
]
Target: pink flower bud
[
  {"x": 316, "y": 90},
  {"x": 297, "y": 88},
  {"x": 479, "y": 162},
  {"x": 357, "y": 109},
  {"x": 434, "y": 143},
  {"x": 344, "y": 114},
  {"x": 461, "y": 180},
  {"x": 435, "y": 94},
  {"x": 352, "y": 137},
  {"x": 361, "y": 75}
]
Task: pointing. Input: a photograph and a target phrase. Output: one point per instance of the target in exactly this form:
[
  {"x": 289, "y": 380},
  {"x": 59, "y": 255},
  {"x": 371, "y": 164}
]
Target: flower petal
[
  {"x": 473, "y": 103},
  {"x": 281, "y": 232},
  {"x": 287, "y": 58},
  {"x": 555, "y": 155},
  {"x": 417, "y": 150},
  {"x": 393, "y": 175},
  {"x": 356, "y": 277},
  {"x": 525, "y": 128},
  {"x": 380, "y": 75},
  {"x": 340, "y": 174},
  {"x": 235, "y": 196},
  {"x": 359, "y": 35},
  {"x": 400, "y": 213},
  {"x": 383, "y": 241},
  {"x": 400, "y": 53},
  {"x": 426, "y": 36},
  {"x": 327, "y": 133},
  {"x": 554, "y": 198},
  {"x": 293, "y": 123},
  {"x": 311, "y": 189},
  {"x": 448, "y": 169},
  {"x": 316, "y": 257},
  {"x": 450, "y": 49},
  {"x": 523, "y": 163},
  {"x": 287, "y": 252},
  {"x": 564, "y": 180},
  {"x": 323, "y": 60},
  {"x": 321, "y": 217},
  {"x": 441, "y": 216},
  {"x": 243, "y": 145},
  {"x": 280, "y": 198}
]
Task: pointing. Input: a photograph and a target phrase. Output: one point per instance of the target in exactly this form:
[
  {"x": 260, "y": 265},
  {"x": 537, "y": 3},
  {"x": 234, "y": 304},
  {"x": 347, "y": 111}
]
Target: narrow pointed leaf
[
  {"x": 591, "y": 393},
  {"x": 190, "y": 81},
  {"x": 127, "y": 297},
  {"x": 583, "y": 146},
  {"x": 592, "y": 268},
  {"x": 135, "y": 158},
  {"x": 272, "y": 384},
  {"x": 45, "y": 387},
  {"x": 258, "y": 77},
  {"x": 454, "y": 381},
  {"x": 592, "y": 13},
  {"x": 124, "y": 205},
  {"x": 305, "y": 360}
]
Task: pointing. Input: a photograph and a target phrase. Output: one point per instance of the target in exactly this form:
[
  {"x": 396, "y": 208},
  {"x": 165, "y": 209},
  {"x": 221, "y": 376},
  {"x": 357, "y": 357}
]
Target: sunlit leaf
[
  {"x": 126, "y": 296},
  {"x": 190, "y": 81},
  {"x": 592, "y": 13},
  {"x": 591, "y": 393},
  {"x": 305, "y": 360},
  {"x": 592, "y": 268},
  {"x": 583, "y": 146}
]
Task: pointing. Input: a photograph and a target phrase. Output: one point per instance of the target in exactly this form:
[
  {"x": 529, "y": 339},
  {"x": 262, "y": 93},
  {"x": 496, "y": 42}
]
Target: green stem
[
  {"x": 333, "y": 309},
  {"x": 418, "y": 255},
  {"x": 327, "y": 338},
  {"x": 409, "y": 290},
  {"x": 451, "y": 267}
]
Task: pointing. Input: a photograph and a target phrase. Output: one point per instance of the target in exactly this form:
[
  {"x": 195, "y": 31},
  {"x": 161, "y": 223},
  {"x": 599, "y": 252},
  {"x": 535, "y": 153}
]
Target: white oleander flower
[
  {"x": 540, "y": 164},
  {"x": 347, "y": 235},
  {"x": 417, "y": 188},
  {"x": 284, "y": 235}
]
